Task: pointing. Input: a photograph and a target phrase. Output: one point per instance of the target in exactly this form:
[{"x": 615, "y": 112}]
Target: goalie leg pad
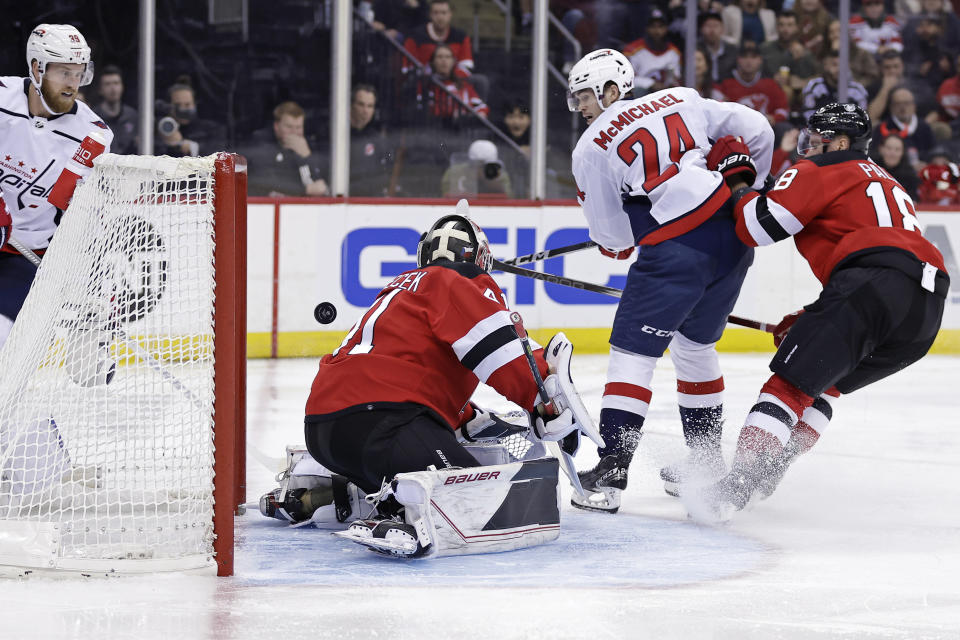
[
  {"x": 467, "y": 511},
  {"x": 310, "y": 493}
]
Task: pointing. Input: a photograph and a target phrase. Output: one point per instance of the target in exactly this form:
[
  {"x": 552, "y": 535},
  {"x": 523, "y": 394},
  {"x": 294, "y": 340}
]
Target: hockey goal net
[{"x": 122, "y": 381}]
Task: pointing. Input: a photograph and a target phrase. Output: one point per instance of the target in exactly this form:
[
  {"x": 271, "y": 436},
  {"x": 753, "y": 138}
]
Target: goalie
[{"x": 385, "y": 405}]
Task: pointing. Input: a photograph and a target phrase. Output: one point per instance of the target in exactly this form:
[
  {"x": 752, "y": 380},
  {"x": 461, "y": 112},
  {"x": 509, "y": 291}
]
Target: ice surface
[{"x": 862, "y": 540}]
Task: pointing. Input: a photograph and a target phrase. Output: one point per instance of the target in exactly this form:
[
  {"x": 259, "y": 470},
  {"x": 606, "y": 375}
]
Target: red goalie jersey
[
  {"x": 429, "y": 338},
  {"x": 835, "y": 204}
]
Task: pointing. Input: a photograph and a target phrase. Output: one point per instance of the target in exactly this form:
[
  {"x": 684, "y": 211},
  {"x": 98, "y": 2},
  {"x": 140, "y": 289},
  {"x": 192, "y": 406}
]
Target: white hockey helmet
[
  {"x": 456, "y": 238},
  {"x": 595, "y": 70},
  {"x": 57, "y": 43}
]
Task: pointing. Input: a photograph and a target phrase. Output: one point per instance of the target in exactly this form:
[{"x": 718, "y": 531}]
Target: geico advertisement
[
  {"x": 360, "y": 248},
  {"x": 345, "y": 254}
]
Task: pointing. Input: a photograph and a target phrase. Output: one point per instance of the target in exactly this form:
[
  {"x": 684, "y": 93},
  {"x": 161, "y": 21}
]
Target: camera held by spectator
[
  {"x": 167, "y": 126},
  {"x": 181, "y": 132},
  {"x": 482, "y": 173}
]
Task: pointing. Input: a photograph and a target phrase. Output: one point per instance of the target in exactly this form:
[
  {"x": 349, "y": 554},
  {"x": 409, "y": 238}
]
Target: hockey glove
[
  {"x": 731, "y": 157},
  {"x": 623, "y": 254},
  {"x": 783, "y": 327},
  {"x": 6, "y": 222}
]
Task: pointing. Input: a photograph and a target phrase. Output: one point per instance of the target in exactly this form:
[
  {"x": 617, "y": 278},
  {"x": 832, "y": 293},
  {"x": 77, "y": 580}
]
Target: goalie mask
[{"x": 456, "y": 238}]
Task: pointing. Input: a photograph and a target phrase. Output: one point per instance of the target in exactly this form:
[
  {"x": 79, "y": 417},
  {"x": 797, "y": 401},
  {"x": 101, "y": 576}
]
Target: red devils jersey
[
  {"x": 835, "y": 204},
  {"x": 762, "y": 94},
  {"x": 430, "y": 337},
  {"x": 421, "y": 43}
]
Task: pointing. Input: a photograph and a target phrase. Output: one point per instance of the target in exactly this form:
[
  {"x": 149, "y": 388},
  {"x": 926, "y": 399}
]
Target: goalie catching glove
[
  {"x": 731, "y": 157},
  {"x": 487, "y": 425}
]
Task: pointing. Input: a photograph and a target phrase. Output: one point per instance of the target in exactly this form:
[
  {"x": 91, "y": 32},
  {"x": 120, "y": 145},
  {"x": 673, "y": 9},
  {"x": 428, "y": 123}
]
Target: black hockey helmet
[
  {"x": 456, "y": 238},
  {"x": 837, "y": 119}
]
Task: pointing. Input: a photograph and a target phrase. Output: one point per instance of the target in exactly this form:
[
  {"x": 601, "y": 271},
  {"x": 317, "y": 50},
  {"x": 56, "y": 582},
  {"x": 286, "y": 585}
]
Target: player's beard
[{"x": 54, "y": 99}]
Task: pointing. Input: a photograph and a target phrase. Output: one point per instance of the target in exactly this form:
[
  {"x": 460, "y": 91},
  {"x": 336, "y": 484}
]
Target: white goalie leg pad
[
  {"x": 476, "y": 510},
  {"x": 482, "y": 509},
  {"x": 560, "y": 388}
]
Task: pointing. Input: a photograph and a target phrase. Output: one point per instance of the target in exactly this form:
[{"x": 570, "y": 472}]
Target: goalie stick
[
  {"x": 550, "y": 253},
  {"x": 609, "y": 291},
  {"x": 111, "y": 325},
  {"x": 566, "y": 460}
]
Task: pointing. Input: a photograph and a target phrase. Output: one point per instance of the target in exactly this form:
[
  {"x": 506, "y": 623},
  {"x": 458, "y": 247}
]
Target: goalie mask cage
[{"x": 122, "y": 381}]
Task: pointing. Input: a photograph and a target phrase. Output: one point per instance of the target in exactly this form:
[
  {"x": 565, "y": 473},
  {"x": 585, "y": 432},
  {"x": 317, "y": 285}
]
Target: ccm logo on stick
[{"x": 472, "y": 477}]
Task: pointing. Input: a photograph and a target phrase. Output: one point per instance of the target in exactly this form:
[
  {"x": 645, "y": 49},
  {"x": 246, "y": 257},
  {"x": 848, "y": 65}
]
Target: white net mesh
[{"x": 106, "y": 380}]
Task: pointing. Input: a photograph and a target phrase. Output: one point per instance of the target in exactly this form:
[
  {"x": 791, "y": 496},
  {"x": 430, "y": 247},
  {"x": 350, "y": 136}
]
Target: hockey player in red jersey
[
  {"x": 388, "y": 400},
  {"x": 884, "y": 287}
]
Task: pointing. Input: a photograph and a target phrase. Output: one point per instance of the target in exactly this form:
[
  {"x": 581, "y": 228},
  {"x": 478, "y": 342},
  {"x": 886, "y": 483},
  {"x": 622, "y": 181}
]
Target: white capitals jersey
[
  {"x": 641, "y": 167},
  {"x": 33, "y": 152}
]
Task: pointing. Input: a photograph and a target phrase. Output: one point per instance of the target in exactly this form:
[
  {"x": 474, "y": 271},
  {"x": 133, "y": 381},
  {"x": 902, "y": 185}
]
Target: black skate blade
[{"x": 611, "y": 511}]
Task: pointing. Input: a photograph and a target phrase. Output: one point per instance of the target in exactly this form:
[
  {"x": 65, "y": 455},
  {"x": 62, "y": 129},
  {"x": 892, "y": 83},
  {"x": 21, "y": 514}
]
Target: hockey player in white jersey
[
  {"x": 642, "y": 180},
  {"x": 47, "y": 140},
  {"x": 42, "y": 125}
]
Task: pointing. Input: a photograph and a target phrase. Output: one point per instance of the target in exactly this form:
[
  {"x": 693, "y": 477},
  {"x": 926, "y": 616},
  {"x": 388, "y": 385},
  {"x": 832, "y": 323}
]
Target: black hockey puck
[{"x": 325, "y": 312}]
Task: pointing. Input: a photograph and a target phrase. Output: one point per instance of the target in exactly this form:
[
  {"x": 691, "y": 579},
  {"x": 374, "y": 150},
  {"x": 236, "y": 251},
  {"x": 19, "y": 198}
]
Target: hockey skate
[
  {"x": 773, "y": 474},
  {"x": 703, "y": 465},
  {"x": 603, "y": 483},
  {"x": 387, "y": 535},
  {"x": 296, "y": 505},
  {"x": 309, "y": 493},
  {"x": 717, "y": 503}
]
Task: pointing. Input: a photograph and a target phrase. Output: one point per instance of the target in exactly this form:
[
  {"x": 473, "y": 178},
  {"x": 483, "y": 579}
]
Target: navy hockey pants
[
  {"x": 16, "y": 276},
  {"x": 687, "y": 284}
]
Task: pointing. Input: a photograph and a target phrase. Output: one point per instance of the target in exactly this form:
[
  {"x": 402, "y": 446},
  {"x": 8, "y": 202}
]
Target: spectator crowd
[{"x": 427, "y": 119}]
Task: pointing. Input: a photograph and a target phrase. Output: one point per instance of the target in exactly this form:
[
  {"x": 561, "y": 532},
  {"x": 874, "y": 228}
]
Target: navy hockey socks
[{"x": 621, "y": 432}]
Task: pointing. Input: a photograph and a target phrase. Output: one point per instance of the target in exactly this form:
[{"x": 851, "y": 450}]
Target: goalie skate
[{"x": 387, "y": 536}]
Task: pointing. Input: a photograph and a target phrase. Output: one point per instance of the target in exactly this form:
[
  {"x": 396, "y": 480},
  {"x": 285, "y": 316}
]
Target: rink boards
[{"x": 302, "y": 253}]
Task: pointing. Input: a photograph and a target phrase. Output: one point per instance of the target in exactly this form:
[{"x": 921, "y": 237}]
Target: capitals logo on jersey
[{"x": 33, "y": 153}]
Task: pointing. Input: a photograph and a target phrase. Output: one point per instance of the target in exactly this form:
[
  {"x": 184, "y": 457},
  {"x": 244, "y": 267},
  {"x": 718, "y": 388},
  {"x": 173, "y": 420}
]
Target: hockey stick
[
  {"x": 610, "y": 291},
  {"x": 562, "y": 280},
  {"x": 753, "y": 324},
  {"x": 130, "y": 343},
  {"x": 565, "y": 459},
  {"x": 550, "y": 253}
]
